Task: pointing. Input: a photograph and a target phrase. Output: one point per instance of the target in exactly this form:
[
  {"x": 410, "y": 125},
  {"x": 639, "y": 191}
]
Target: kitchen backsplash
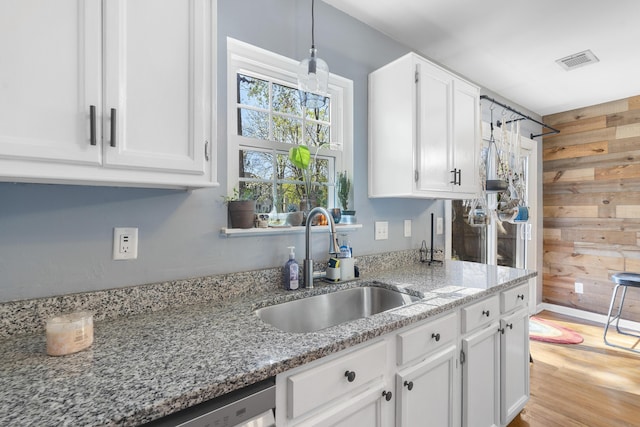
[{"x": 29, "y": 316}]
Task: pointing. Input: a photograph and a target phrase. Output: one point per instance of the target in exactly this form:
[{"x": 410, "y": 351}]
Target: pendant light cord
[{"x": 313, "y": 20}]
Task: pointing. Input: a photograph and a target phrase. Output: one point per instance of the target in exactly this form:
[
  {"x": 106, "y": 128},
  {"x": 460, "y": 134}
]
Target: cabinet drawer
[
  {"x": 480, "y": 313},
  {"x": 517, "y": 297},
  {"x": 426, "y": 338},
  {"x": 321, "y": 384}
]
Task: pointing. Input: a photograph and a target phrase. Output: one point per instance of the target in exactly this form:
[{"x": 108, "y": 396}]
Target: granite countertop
[{"x": 143, "y": 367}]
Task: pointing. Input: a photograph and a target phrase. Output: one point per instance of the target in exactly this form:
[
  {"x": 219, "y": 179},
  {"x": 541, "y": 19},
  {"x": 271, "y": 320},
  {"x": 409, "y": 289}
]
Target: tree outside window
[{"x": 271, "y": 112}]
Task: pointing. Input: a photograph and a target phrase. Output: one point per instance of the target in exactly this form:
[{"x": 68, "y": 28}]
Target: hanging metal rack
[{"x": 523, "y": 117}]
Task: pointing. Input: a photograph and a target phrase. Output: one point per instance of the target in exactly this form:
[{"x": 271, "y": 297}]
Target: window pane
[
  {"x": 286, "y": 100},
  {"x": 317, "y": 134},
  {"x": 253, "y": 92},
  {"x": 253, "y": 124},
  {"x": 256, "y": 164},
  {"x": 320, "y": 113},
  {"x": 468, "y": 242},
  {"x": 286, "y": 129}
]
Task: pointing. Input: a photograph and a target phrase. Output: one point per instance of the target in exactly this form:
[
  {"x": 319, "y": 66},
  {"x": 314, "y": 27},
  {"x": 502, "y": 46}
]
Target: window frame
[{"x": 247, "y": 59}]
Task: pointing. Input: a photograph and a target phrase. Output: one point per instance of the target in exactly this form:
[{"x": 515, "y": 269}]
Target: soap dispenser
[{"x": 291, "y": 276}]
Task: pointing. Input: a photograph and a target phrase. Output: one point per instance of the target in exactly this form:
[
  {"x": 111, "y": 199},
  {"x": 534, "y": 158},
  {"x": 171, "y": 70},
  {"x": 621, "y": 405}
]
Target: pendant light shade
[{"x": 313, "y": 74}]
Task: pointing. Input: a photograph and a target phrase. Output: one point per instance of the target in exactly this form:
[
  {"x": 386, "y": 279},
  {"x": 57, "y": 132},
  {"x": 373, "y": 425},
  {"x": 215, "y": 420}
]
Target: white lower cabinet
[
  {"x": 365, "y": 410},
  {"x": 495, "y": 359},
  {"x": 336, "y": 390},
  {"x": 514, "y": 364},
  {"x": 481, "y": 377},
  {"x": 427, "y": 391},
  {"x": 467, "y": 367}
]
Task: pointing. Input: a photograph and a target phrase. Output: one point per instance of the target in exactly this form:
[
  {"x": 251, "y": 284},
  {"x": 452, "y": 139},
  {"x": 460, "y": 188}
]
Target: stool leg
[
  {"x": 624, "y": 294},
  {"x": 613, "y": 300}
]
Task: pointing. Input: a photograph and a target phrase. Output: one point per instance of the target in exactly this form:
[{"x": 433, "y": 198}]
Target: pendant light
[{"x": 313, "y": 74}]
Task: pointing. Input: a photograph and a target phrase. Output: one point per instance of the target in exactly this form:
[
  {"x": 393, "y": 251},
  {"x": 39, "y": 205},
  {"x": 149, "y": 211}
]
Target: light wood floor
[{"x": 588, "y": 384}]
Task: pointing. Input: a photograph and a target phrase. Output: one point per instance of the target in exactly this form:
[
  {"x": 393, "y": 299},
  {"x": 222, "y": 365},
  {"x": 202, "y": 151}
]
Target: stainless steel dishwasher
[{"x": 252, "y": 406}]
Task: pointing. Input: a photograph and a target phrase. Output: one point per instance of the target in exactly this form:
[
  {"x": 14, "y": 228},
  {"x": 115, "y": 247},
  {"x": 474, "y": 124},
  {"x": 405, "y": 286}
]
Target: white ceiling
[{"x": 510, "y": 47}]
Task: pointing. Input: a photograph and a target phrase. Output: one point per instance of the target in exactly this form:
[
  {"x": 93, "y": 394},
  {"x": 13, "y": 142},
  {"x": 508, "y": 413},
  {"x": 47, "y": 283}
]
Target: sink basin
[{"x": 321, "y": 311}]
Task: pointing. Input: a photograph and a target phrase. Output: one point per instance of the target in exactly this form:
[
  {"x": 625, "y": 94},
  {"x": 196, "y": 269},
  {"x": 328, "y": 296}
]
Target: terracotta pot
[{"x": 242, "y": 213}]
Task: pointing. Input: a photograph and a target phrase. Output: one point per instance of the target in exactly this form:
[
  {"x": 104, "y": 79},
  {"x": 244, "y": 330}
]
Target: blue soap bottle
[{"x": 291, "y": 271}]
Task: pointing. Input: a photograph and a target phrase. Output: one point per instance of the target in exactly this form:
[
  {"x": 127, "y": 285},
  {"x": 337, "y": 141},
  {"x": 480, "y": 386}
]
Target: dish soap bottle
[{"x": 291, "y": 271}]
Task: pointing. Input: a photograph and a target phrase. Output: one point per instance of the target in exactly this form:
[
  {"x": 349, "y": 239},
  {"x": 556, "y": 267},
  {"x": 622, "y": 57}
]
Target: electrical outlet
[
  {"x": 407, "y": 228},
  {"x": 439, "y": 225},
  {"x": 579, "y": 288},
  {"x": 382, "y": 230},
  {"x": 125, "y": 243}
]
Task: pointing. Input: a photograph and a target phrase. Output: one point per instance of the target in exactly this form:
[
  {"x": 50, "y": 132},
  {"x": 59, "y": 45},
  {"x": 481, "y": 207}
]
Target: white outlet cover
[
  {"x": 125, "y": 243},
  {"x": 407, "y": 228}
]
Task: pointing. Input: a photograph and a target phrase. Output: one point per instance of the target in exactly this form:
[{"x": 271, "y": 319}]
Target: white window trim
[{"x": 243, "y": 56}]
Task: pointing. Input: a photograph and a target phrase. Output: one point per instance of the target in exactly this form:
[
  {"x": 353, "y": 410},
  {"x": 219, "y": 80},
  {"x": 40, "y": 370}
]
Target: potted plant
[
  {"x": 300, "y": 157},
  {"x": 294, "y": 216},
  {"x": 241, "y": 206},
  {"x": 344, "y": 188}
]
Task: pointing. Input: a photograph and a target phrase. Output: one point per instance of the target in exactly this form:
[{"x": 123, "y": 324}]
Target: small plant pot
[
  {"x": 294, "y": 219},
  {"x": 242, "y": 213},
  {"x": 335, "y": 213}
]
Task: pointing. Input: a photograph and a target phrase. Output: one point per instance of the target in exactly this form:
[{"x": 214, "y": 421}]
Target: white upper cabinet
[
  {"x": 423, "y": 131},
  {"x": 108, "y": 93},
  {"x": 50, "y": 73}
]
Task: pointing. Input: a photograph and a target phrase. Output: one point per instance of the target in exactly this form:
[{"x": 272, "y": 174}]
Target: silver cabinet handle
[
  {"x": 113, "y": 127},
  {"x": 92, "y": 124}
]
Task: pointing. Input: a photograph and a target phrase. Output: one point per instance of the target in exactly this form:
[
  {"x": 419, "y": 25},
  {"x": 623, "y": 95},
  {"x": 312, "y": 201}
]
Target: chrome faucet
[{"x": 334, "y": 248}]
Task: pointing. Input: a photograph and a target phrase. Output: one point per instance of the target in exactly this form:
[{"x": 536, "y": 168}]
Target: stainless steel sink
[{"x": 321, "y": 311}]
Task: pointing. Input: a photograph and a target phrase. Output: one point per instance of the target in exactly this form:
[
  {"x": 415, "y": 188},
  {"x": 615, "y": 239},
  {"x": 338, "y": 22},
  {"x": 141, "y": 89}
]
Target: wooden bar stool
[{"x": 624, "y": 280}]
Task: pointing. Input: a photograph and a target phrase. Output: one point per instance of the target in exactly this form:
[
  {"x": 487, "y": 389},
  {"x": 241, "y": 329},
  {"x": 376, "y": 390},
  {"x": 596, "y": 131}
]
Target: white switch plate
[
  {"x": 125, "y": 243},
  {"x": 407, "y": 228},
  {"x": 579, "y": 288},
  {"x": 382, "y": 230},
  {"x": 439, "y": 225}
]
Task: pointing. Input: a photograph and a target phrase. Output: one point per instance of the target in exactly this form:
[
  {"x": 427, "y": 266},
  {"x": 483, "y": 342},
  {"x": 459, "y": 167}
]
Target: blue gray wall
[{"x": 57, "y": 239}]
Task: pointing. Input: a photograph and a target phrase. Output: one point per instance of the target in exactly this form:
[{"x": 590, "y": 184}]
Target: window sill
[{"x": 244, "y": 232}]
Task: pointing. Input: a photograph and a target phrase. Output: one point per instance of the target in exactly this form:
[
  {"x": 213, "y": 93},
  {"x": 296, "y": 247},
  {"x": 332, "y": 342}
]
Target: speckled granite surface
[
  {"x": 29, "y": 316},
  {"x": 144, "y": 366}
]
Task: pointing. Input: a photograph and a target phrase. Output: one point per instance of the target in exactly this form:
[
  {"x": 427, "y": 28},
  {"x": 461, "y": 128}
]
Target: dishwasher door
[{"x": 252, "y": 406}]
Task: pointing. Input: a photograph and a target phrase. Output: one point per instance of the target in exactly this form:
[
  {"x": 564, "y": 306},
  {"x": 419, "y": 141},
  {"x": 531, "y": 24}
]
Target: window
[{"x": 266, "y": 119}]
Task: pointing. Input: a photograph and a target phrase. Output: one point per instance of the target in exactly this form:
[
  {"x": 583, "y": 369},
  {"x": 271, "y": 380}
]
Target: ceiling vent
[{"x": 577, "y": 60}]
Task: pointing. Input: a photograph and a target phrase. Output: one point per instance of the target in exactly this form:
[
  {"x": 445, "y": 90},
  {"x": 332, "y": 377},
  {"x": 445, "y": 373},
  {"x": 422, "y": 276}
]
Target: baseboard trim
[{"x": 585, "y": 315}]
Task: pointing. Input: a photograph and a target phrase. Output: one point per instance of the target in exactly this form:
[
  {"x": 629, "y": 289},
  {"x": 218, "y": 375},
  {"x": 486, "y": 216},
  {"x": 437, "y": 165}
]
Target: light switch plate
[
  {"x": 407, "y": 228},
  {"x": 381, "y": 230}
]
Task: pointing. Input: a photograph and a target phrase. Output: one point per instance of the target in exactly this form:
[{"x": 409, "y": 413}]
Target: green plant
[
  {"x": 344, "y": 187},
  {"x": 300, "y": 157},
  {"x": 236, "y": 195}
]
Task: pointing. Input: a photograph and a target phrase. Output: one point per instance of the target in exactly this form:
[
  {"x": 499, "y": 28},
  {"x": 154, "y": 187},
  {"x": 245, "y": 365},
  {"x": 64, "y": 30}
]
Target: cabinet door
[
  {"x": 480, "y": 378},
  {"x": 366, "y": 410},
  {"x": 427, "y": 391},
  {"x": 50, "y": 73},
  {"x": 433, "y": 129},
  {"x": 156, "y": 84},
  {"x": 466, "y": 133},
  {"x": 514, "y": 364}
]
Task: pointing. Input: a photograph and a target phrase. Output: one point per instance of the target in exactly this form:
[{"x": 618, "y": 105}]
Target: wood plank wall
[{"x": 591, "y": 193}]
